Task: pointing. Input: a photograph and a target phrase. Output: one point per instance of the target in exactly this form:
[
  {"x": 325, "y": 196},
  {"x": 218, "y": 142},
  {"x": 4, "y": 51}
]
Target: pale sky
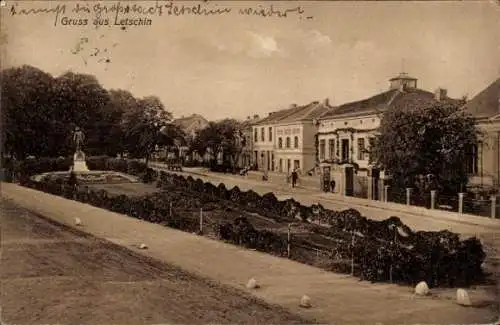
[{"x": 235, "y": 66}]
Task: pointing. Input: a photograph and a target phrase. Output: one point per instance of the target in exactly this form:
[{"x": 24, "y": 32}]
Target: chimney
[
  {"x": 293, "y": 105},
  {"x": 248, "y": 117},
  {"x": 440, "y": 94},
  {"x": 326, "y": 102}
]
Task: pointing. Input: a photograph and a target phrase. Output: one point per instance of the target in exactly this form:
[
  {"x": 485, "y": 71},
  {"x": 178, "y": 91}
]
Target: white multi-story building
[
  {"x": 346, "y": 133},
  {"x": 285, "y": 140}
]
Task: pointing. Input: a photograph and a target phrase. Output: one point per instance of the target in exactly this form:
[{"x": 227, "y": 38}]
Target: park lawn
[{"x": 130, "y": 189}]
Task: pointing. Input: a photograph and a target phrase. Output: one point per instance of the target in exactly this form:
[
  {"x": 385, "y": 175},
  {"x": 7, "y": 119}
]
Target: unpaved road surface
[{"x": 51, "y": 274}]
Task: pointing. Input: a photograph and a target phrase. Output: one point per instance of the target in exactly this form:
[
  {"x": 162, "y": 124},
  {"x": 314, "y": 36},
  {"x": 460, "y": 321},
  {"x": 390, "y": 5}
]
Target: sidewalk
[{"x": 336, "y": 298}]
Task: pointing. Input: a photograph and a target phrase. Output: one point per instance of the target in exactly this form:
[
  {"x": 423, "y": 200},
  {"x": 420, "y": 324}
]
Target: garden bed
[{"x": 379, "y": 251}]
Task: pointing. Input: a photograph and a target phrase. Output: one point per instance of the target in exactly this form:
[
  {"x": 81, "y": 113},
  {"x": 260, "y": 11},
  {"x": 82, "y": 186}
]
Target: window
[
  {"x": 262, "y": 137},
  {"x": 280, "y": 143},
  {"x": 296, "y": 142},
  {"x": 361, "y": 149},
  {"x": 321, "y": 149},
  {"x": 288, "y": 142},
  {"x": 270, "y": 134},
  {"x": 255, "y": 135},
  {"x": 331, "y": 148},
  {"x": 345, "y": 149},
  {"x": 281, "y": 166},
  {"x": 371, "y": 143},
  {"x": 471, "y": 163},
  {"x": 296, "y": 164}
]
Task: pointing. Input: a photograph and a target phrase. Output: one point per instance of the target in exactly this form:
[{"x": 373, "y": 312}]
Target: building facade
[
  {"x": 483, "y": 165},
  {"x": 285, "y": 140},
  {"x": 191, "y": 124},
  {"x": 346, "y": 133},
  {"x": 247, "y": 157}
]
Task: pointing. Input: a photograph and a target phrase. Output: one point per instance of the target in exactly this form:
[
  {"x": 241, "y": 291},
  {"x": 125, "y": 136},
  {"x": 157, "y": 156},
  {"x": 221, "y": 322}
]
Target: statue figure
[{"x": 78, "y": 138}]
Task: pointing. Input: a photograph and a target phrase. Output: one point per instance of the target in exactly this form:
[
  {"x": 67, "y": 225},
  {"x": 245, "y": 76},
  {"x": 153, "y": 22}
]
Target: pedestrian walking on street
[
  {"x": 294, "y": 178},
  {"x": 265, "y": 175},
  {"x": 332, "y": 186}
]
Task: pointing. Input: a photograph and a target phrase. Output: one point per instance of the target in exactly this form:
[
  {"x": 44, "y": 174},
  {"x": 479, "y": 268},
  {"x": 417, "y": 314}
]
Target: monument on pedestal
[{"x": 79, "y": 164}]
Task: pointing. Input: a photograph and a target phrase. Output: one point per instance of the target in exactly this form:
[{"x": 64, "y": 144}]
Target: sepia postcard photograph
[{"x": 249, "y": 162}]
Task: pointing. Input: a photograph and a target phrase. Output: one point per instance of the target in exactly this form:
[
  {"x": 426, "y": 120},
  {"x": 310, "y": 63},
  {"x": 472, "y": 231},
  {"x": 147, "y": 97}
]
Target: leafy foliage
[
  {"x": 385, "y": 250},
  {"x": 429, "y": 139},
  {"x": 40, "y": 112},
  {"x": 220, "y": 138},
  {"x": 142, "y": 125}
]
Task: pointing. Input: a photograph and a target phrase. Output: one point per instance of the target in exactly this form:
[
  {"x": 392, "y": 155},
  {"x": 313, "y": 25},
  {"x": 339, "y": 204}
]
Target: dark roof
[
  {"x": 276, "y": 116},
  {"x": 487, "y": 102},
  {"x": 187, "y": 122},
  {"x": 306, "y": 112},
  {"x": 297, "y": 113},
  {"x": 250, "y": 122},
  {"x": 409, "y": 97}
]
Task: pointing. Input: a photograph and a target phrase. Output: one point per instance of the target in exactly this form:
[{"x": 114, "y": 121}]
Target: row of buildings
[{"x": 306, "y": 137}]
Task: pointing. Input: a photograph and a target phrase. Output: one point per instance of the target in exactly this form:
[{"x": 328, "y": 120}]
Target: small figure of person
[
  {"x": 265, "y": 176},
  {"x": 295, "y": 176},
  {"x": 332, "y": 185}
]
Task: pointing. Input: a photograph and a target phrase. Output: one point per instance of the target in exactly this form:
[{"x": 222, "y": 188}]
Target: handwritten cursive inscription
[
  {"x": 197, "y": 10},
  {"x": 125, "y": 14},
  {"x": 270, "y": 11},
  {"x": 57, "y": 10}
]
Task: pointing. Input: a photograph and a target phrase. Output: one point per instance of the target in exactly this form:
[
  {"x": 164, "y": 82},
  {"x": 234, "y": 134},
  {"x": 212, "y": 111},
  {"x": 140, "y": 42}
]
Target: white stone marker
[
  {"x": 422, "y": 289},
  {"x": 143, "y": 246},
  {"x": 78, "y": 222},
  {"x": 463, "y": 297},
  {"x": 305, "y": 302},
  {"x": 252, "y": 284}
]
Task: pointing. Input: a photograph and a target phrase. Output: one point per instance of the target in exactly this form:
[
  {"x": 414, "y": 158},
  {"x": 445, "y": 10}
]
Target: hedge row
[
  {"x": 154, "y": 209},
  {"x": 382, "y": 250}
]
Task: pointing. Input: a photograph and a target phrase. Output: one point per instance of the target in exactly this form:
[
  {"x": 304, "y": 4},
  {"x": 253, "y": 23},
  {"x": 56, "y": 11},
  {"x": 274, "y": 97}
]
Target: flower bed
[
  {"x": 381, "y": 250},
  {"x": 28, "y": 168},
  {"x": 384, "y": 250}
]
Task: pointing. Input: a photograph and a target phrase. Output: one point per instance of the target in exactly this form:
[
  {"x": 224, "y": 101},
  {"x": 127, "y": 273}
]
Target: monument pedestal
[{"x": 79, "y": 164}]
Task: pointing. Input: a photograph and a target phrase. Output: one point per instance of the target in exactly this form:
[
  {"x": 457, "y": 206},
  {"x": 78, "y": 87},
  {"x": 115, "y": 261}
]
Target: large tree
[
  {"x": 426, "y": 139},
  {"x": 27, "y": 111},
  {"x": 142, "y": 125},
  {"x": 121, "y": 104},
  {"x": 79, "y": 100},
  {"x": 220, "y": 138}
]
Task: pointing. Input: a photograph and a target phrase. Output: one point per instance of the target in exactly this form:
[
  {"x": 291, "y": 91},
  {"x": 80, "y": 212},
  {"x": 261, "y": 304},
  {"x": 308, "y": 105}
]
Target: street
[
  {"x": 54, "y": 275},
  {"x": 308, "y": 196}
]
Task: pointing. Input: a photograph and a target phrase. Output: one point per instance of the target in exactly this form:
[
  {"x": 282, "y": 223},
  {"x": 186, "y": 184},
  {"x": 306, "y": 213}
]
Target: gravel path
[
  {"x": 52, "y": 274},
  {"x": 336, "y": 298}
]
